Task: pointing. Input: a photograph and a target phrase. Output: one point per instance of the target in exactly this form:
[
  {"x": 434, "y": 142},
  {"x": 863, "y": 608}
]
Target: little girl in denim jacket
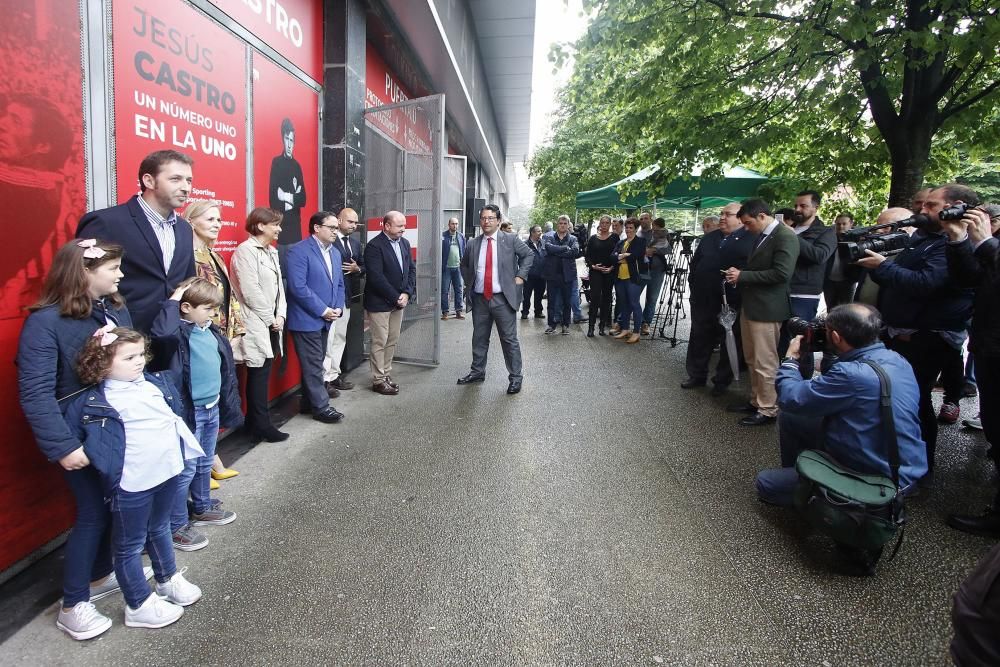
[{"x": 124, "y": 422}]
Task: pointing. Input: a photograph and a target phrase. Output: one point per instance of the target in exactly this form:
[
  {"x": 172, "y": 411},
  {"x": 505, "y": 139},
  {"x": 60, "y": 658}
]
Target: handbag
[{"x": 861, "y": 510}]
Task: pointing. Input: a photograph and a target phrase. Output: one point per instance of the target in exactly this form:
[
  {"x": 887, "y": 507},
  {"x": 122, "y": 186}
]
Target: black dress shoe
[
  {"x": 986, "y": 524},
  {"x": 524, "y": 316},
  {"x": 756, "y": 420},
  {"x": 741, "y": 407},
  {"x": 342, "y": 384},
  {"x": 718, "y": 390},
  {"x": 691, "y": 383},
  {"x": 328, "y": 416},
  {"x": 269, "y": 434},
  {"x": 472, "y": 377},
  {"x": 514, "y": 387},
  {"x": 539, "y": 316},
  {"x": 331, "y": 391}
]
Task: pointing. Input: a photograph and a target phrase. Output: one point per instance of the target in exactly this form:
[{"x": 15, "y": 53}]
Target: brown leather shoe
[
  {"x": 445, "y": 316},
  {"x": 392, "y": 383},
  {"x": 622, "y": 334},
  {"x": 459, "y": 316},
  {"x": 385, "y": 389},
  {"x": 331, "y": 390},
  {"x": 633, "y": 338}
]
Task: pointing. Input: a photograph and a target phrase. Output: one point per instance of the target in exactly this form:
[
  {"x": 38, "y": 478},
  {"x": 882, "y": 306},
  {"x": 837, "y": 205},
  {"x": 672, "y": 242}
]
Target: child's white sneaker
[
  {"x": 82, "y": 621},
  {"x": 155, "y": 612},
  {"x": 179, "y": 590}
]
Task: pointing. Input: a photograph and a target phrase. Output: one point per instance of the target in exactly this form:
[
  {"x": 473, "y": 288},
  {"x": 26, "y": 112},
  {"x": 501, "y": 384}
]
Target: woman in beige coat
[{"x": 256, "y": 277}]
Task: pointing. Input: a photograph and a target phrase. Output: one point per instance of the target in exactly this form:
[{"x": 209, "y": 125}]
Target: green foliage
[{"x": 858, "y": 99}]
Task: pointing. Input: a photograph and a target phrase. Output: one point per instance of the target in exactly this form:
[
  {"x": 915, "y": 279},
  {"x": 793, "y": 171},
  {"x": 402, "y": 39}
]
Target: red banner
[
  {"x": 286, "y": 163},
  {"x": 43, "y": 189},
  {"x": 293, "y": 28},
  {"x": 408, "y": 127},
  {"x": 374, "y": 228},
  {"x": 180, "y": 84}
]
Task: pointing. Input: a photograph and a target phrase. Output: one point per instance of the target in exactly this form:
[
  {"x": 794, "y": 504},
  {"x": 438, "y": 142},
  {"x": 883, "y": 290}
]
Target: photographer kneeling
[{"x": 839, "y": 411}]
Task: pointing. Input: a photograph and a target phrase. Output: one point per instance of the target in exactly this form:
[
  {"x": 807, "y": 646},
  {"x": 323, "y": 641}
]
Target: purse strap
[{"x": 888, "y": 420}]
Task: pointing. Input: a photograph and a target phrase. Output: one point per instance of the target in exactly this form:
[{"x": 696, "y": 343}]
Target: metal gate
[{"x": 404, "y": 150}]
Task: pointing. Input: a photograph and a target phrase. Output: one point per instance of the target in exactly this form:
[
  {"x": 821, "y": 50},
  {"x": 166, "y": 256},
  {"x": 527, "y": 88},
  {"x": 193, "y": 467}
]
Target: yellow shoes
[
  {"x": 213, "y": 485},
  {"x": 225, "y": 474}
]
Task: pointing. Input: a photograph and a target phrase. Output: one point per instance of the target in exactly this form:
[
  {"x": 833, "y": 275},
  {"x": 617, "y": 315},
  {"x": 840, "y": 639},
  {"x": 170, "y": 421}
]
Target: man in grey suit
[{"x": 494, "y": 267}]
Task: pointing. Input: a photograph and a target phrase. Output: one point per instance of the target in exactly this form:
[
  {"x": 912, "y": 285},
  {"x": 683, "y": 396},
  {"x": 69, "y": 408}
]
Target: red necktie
[{"x": 488, "y": 275}]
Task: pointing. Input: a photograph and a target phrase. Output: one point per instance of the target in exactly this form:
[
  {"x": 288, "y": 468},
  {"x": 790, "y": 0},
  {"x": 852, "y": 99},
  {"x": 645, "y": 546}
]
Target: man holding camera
[
  {"x": 925, "y": 310},
  {"x": 839, "y": 411},
  {"x": 973, "y": 254},
  {"x": 764, "y": 285}
]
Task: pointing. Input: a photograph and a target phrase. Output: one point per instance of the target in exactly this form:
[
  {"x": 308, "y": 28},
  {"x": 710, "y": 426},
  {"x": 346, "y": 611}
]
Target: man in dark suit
[
  {"x": 353, "y": 268},
  {"x": 392, "y": 283},
  {"x": 535, "y": 284},
  {"x": 158, "y": 243},
  {"x": 728, "y": 245},
  {"x": 495, "y": 268},
  {"x": 765, "y": 288},
  {"x": 560, "y": 251},
  {"x": 315, "y": 301}
]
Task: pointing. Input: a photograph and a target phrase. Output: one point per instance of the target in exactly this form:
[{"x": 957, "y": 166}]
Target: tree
[{"x": 829, "y": 92}]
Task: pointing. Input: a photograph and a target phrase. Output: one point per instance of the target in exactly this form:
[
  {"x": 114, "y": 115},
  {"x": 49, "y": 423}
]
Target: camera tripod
[{"x": 670, "y": 310}]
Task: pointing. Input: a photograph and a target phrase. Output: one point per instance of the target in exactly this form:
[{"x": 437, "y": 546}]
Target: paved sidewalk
[{"x": 602, "y": 516}]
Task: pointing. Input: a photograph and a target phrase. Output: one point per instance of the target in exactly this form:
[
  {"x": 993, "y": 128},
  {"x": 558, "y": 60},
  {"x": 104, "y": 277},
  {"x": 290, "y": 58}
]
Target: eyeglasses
[
  {"x": 487, "y": 219},
  {"x": 329, "y": 226}
]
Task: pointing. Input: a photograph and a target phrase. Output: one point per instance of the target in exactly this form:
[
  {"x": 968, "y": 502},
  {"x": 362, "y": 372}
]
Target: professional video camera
[{"x": 885, "y": 239}]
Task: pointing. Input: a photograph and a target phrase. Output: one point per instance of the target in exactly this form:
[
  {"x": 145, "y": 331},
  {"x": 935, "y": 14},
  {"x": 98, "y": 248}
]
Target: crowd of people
[
  {"x": 138, "y": 332},
  {"x": 141, "y": 325}
]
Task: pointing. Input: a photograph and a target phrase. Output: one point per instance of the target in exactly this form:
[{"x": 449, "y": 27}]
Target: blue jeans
[
  {"x": 559, "y": 302},
  {"x": 88, "y": 547},
  {"x": 451, "y": 280},
  {"x": 574, "y": 299},
  {"x": 656, "y": 277},
  {"x": 777, "y": 486},
  {"x": 136, "y": 516},
  {"x": 196, "y": 476},
  {"x": 628, "y": 296}
]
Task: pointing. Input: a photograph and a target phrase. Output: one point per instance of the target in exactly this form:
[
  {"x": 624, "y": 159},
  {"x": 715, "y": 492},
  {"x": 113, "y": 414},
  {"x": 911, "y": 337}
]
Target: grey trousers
[
  {"x": 484, "y": 315},
  {"x": 311, "y": 348}
]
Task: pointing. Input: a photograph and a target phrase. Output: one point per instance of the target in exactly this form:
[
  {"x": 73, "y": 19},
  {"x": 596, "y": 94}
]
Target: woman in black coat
[{"x": 630, "y": 255}]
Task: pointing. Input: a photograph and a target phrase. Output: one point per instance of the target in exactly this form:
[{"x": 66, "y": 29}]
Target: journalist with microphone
[{"x": 926, "y": 311}]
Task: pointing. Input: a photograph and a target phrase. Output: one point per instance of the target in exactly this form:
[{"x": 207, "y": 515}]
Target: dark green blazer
[{"x": 764, "y": 284}]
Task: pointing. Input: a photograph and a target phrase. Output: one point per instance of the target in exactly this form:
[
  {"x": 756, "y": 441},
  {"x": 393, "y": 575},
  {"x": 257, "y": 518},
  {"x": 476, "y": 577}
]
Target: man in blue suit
[
  {"x": 315, "y": 302},
  {"x": 354, "y": 269},
  {"x": 392, "y": 282},
  {"x": 158, "y": 243}
]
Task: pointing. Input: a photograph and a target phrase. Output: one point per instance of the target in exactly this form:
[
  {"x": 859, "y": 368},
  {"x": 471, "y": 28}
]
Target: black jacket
[
  {"x": 713, "y": 255},
  {"x": 637, "y": 268},
  {"x": 816, "y": 245},
  {"x": 980, "y": 269},
  {"x": 916, "y": 292},
  {"x": 385, "y": 279},
  {"x": 172, "y": 343}
]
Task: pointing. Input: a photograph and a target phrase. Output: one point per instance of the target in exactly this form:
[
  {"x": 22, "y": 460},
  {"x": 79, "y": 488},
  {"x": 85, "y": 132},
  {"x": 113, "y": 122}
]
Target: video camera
[{"x": 885, "y": 239}]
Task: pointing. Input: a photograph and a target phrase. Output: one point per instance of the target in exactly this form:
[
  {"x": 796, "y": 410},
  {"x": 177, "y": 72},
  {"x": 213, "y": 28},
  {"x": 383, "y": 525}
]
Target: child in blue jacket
[
  {"x": 201, "y": 357},
  {"x": 134, "y": 437}
]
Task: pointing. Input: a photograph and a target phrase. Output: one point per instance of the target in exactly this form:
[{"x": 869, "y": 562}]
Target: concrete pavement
[{"x": 602, "y": 516}]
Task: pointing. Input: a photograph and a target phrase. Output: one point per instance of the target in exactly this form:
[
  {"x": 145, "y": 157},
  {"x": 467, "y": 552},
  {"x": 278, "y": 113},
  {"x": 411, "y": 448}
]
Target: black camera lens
[{"x": 955, "y": 212}]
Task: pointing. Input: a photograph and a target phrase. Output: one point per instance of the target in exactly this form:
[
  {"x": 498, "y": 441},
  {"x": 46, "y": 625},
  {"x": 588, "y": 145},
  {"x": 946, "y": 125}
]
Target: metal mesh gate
[{"x": 404, "y": 149}]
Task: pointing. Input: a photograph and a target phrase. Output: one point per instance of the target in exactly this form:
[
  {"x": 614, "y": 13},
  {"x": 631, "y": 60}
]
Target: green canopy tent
[{"x": 692, "y": 193}]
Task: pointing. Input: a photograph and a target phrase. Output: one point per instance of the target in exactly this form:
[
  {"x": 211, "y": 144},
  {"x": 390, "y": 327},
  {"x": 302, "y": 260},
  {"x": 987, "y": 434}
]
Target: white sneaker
[
  {"x": 155, "y": 612},
  {"x": 82, "y": 621},
  {"x": 111, "y": 585},
  {"x": 179, "y": 590}
]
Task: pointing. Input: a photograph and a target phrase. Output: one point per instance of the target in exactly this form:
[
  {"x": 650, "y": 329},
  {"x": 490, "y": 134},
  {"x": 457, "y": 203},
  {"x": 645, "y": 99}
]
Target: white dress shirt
[
  {"x": 324, "y": 249},
  {"x": 480, "y": 285},
  {"x": 396, "y": 249},
  {"x": 152, "y": 431}
]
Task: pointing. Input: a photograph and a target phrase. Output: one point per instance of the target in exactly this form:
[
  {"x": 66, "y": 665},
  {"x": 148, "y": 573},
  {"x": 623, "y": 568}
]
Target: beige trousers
[
  {"x": 760, "y": 347},
  {"x": 385, "y": 333}
]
